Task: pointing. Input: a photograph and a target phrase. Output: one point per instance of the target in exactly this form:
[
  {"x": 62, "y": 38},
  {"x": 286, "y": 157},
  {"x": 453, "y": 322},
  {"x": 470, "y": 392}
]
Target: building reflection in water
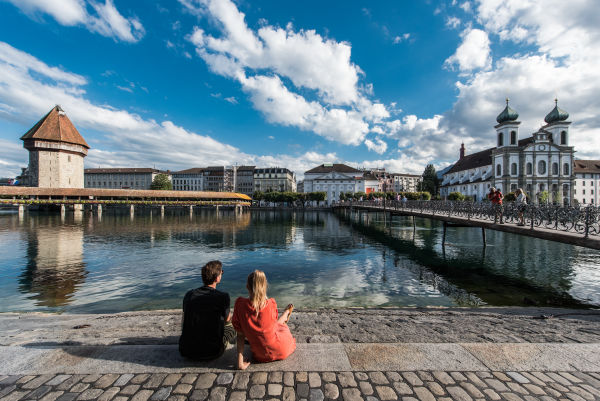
[{"x": 55, "y": 267}]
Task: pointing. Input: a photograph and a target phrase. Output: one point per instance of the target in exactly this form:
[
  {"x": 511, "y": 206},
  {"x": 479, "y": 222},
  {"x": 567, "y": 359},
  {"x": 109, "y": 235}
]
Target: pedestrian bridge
[{"x": 571, "y": 225}]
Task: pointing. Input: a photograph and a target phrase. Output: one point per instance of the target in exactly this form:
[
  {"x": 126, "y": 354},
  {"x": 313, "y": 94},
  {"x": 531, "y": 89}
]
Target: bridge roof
[{"x": 121, "y": 193}]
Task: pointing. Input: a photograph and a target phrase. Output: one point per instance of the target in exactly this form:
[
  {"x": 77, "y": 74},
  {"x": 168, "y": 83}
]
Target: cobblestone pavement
[{"x": 313, "y": 386}]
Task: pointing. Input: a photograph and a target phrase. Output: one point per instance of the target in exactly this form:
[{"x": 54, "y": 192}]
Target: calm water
[{"x": 312, "y": 259}]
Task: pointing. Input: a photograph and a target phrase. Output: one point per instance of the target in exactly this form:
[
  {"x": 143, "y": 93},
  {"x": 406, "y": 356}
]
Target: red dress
[{"x": 269, "y": 340}]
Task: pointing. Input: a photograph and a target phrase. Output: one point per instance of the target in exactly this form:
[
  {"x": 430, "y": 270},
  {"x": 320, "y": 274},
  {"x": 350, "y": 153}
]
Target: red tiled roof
[
  {"x": 586, "y": 166},
  {"x": 56, "y": 126},
  {"x": 338, "y": 168}
]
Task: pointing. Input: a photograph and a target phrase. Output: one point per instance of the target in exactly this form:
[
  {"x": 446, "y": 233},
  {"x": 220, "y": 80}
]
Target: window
[
  {"x": 529, "y": 169},
  {"x": 498, "y": 170},
  {"x": 500, "y": 139},
  {"x": 584, "y": 191},
  {"x": 69, "y": 159},
  {"x": 563, "y": 138},
  {"x": 592, "y": 183},
  {"x": 566, "y": 169},
  {"x": 513, "y": 137},
  {"x": 513, "y": 169},
  {"x": 554, "y": 168},
  {"x": 513, "y": 187},
  {"x": 542, "y": 167}
]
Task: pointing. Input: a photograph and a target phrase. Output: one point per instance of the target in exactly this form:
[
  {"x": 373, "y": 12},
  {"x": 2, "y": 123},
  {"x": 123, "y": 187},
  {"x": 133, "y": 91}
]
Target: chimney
[{"x": 462, "y": 151}]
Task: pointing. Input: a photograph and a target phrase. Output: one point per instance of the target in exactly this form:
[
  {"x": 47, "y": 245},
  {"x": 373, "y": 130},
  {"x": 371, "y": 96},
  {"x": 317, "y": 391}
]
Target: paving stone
[
  {"x": 574, "y": 397},
  {"x": 351, "y": 394},
  {"x": 182, "y": 389},
  {"x": 38, "y": 381},
  {"x": 484, "y": 374},
  {"x": 416, "y": 399},
  {"x": 552, "y": 392},
  {"x": 155, "y": 380},
  {"x": 91, "y": 378},
  {"x": 547, "y": 398},
  {"x": 259, "y": 378},
  {"x": 386, "y": 393},
  {"x": 199, "y": 395},
  {"x": 443, "y": 378},
  {"x": 314, "y": 380},
  {"x": 402, "y": 388},
  {"x": 346, "y": 379},
  {"x": 543, "y": 377},
  {"x": 558, "y": 387},
  {"x": 24, "y": 379},
  {"x": 511, "y": 397},
  {"x": 288, "y": 379},
  {"x": 205, "y": 380},
  {"x": 38, "y": 392},
  {"x": 458, "y": 376},
  {"x": 289, "y": 394},
  {"x": 371, "y": 398},
  {"x": 90, "y": 394},
  {"x": 57, "y": 380},
  {"x": 533, "y": 389},
  {"x": 412, "y": 378},
  {"x": 570, "y": 377},
  {"x": 365, "y": 388},
  {"x": 178, "y": 398},
  {"x": 12, "y": 379},
  {"x": 275, "y": 377},
  {"x": 394, "y": 376},
  {"x": 581, "y": 392},
  {"x": 79, "y": 387},
  {"x": 15, "y": 395},
  {"x": 458, "y": 393},
  {"x": 472, "y": 390},
  {"x": 106, "y": 380},
  {"x": 225, "y": 378},
  {"x": 316, "y": 394},
  {"x": 171, "y": 379},
  {"x": 139, "y": 379},
  {"x": 593, "y": 390},
  {"x": 501, "y": 376},
  {"x": 361, "y": 376},
  {"x": 68, "y": 397},
  {"x": 424, "y": 394},
  {"x": 52, "y": 396},
  {"x": 533, "y": 379},
  {"x": 425, "y": 376},
  {"x": 218, "y": 394},
  {"x": 274, "y": 389},
  {"x": 301, "y": 377},
  {"x": 519, "y": 378},
  {"x": 528, "y": 398},
  {"x": 162, "y": 393},
  {"x": 332, "y": 391},
  {"x": 240, "y": 380},
  {"x": 142, "y": 395},
  {"x": 328, "y": 376},
  {"x": 7, "y": 390},
  {"x": 257, "y": 391},
  {"x": 517, "y": 388},
  {"x": 238, "y": 396},
  {"x": 492, "y": 395},
  {"x": 302, "y": 389},
  {"x": 119, "y": 398},
  {"x": 496, "y": 385},
  {"x": 69, "y": 383},
  {"x": 109, "y": 394},
  {"x": 587, "y": 378},
  {"x": 473, "y": 378},
  {"x": 130, "y": 389},
  {"x": 435, "y": 388},
  {"x": 378, "y": 378}
]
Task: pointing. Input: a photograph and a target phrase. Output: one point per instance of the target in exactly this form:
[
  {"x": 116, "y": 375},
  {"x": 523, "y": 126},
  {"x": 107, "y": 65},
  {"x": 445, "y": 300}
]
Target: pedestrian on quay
[
  {"x": 206, "y": 327},
  {"x": 521, "y": 203},
  {"x": 256, "y": 318},
  {"x": 496, "y": 196}
]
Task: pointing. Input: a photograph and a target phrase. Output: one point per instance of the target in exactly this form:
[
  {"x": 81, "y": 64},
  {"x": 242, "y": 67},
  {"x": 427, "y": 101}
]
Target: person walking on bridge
[{"x": 496, "y": 196}]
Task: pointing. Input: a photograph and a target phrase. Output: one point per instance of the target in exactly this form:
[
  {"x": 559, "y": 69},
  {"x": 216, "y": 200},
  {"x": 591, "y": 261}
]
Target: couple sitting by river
[{"x": 208, "y": 327}]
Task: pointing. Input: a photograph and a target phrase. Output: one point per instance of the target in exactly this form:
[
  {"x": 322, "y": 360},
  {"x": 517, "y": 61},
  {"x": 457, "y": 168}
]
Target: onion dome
[
  {"x": 508, "y": 114},
  {"x": 557, "y": 114}
]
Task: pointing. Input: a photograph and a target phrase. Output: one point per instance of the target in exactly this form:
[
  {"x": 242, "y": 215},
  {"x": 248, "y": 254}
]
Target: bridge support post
[
  {"x": 162, "y": 210},
  {"x": 78, "y": 207},
  {"x": 191, "y": 210},
  {"x": 21, "y": 210},
  {"x": 444, "y": 236},
  {"x": 483, "y": 236},
  {"x": 414, "y": 225},
  {"x": 99, "y": 209},
  {"x": 131, "y": 211}
]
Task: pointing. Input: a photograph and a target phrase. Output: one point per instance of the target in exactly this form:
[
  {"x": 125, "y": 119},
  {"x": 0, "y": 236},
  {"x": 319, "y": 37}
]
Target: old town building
[
  {"x": 121, "y": 178},
  {"x": 587, "y": 182},
  {"x": 191, "y": 179},
  {"x": 278, "y": 179}
]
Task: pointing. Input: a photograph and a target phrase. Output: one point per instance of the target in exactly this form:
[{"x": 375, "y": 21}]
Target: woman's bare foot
[{"x": 289, "y": 309}]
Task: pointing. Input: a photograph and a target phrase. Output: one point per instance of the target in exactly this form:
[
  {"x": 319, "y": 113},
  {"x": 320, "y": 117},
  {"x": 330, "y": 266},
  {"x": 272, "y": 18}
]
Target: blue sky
[{"x": 187, "y": 83}]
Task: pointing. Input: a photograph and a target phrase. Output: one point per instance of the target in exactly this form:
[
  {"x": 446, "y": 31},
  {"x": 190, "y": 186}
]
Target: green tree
[
  {"x": 543, "y": 197},
  {"x": 161, "y": 183},
  {"x": 430, "y": 181},
  {"x": 258, "y": 195},
  {"x": 456, "y": 196}
]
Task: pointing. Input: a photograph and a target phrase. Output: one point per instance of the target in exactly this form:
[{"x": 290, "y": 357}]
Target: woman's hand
[{"x": 242, "y": 365}]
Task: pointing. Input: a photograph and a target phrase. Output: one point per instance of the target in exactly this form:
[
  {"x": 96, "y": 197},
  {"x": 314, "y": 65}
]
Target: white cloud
[
  {"x": 401, "y": 38},
  {"x": 378, "y": 145},
  {"x": 295, "y": 78},
  {"x": 231, "y": 100},
  {"x": 473, "y": 53},
  {"x": 102, "y": 18},
  {"x": 453, "y": 22}
]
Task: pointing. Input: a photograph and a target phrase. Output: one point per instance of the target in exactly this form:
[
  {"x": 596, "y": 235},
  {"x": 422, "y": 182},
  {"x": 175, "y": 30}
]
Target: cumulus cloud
[
  {"x": 294, "y": 78},
  {"x": 377, "y": 145},
  {"x": 101, "y": 18},
  {"x": 473, "y": 53}
]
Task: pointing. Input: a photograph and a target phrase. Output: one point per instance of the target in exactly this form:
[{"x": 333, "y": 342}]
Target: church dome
[
  {"x": 557, "y": 114},
  {"x": 508, "y": 114}
]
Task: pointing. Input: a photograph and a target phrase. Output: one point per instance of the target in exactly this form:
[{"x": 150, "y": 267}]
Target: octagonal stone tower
[{"x": 56, "y": 152}]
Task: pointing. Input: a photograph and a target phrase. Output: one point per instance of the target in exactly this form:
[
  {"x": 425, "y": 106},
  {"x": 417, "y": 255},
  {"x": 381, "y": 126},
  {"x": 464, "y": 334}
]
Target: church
[{"x": 542, "y": 162}]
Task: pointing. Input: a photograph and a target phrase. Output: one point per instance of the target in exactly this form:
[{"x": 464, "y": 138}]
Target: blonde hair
[{"x": 257, "y": 286}]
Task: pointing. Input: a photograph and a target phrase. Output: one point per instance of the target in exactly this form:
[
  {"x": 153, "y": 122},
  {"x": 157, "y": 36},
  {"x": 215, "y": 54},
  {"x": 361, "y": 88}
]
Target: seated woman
[{"x": 255, "y": 318}]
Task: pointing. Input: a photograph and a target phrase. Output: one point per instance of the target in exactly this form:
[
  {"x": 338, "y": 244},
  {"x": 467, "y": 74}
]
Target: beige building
[
  {"x": 121, "y": 178},
  {"x": 587, "y": 182},
  {"x": 56, "y": 152},
  {"x": 275, "y": 179}
]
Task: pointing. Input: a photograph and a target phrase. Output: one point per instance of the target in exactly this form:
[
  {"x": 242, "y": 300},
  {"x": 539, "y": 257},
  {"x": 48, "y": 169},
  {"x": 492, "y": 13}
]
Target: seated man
[{"x": 206, "y": 327}]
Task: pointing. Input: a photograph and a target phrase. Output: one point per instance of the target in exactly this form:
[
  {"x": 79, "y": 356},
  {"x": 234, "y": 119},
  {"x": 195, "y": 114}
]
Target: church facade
[{"x": 540, "y": 163}]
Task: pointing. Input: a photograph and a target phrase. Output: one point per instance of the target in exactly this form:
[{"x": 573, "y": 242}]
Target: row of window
[
  {"x": 591, "y": 183},
  {"x": 541, "y": 168},
  {"x": 513, "y": 138}
]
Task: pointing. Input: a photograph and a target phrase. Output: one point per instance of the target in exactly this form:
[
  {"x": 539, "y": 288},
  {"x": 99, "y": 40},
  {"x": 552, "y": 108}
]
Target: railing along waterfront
[{"x": 573, "y": 219}]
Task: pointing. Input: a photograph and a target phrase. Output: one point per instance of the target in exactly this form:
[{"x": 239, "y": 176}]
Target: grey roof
[{"x": 338, "y": 168}]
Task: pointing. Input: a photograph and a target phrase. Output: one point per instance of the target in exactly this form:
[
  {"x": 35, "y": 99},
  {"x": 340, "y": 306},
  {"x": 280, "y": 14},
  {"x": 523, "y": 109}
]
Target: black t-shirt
[{"x": 204, "y": 313}]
